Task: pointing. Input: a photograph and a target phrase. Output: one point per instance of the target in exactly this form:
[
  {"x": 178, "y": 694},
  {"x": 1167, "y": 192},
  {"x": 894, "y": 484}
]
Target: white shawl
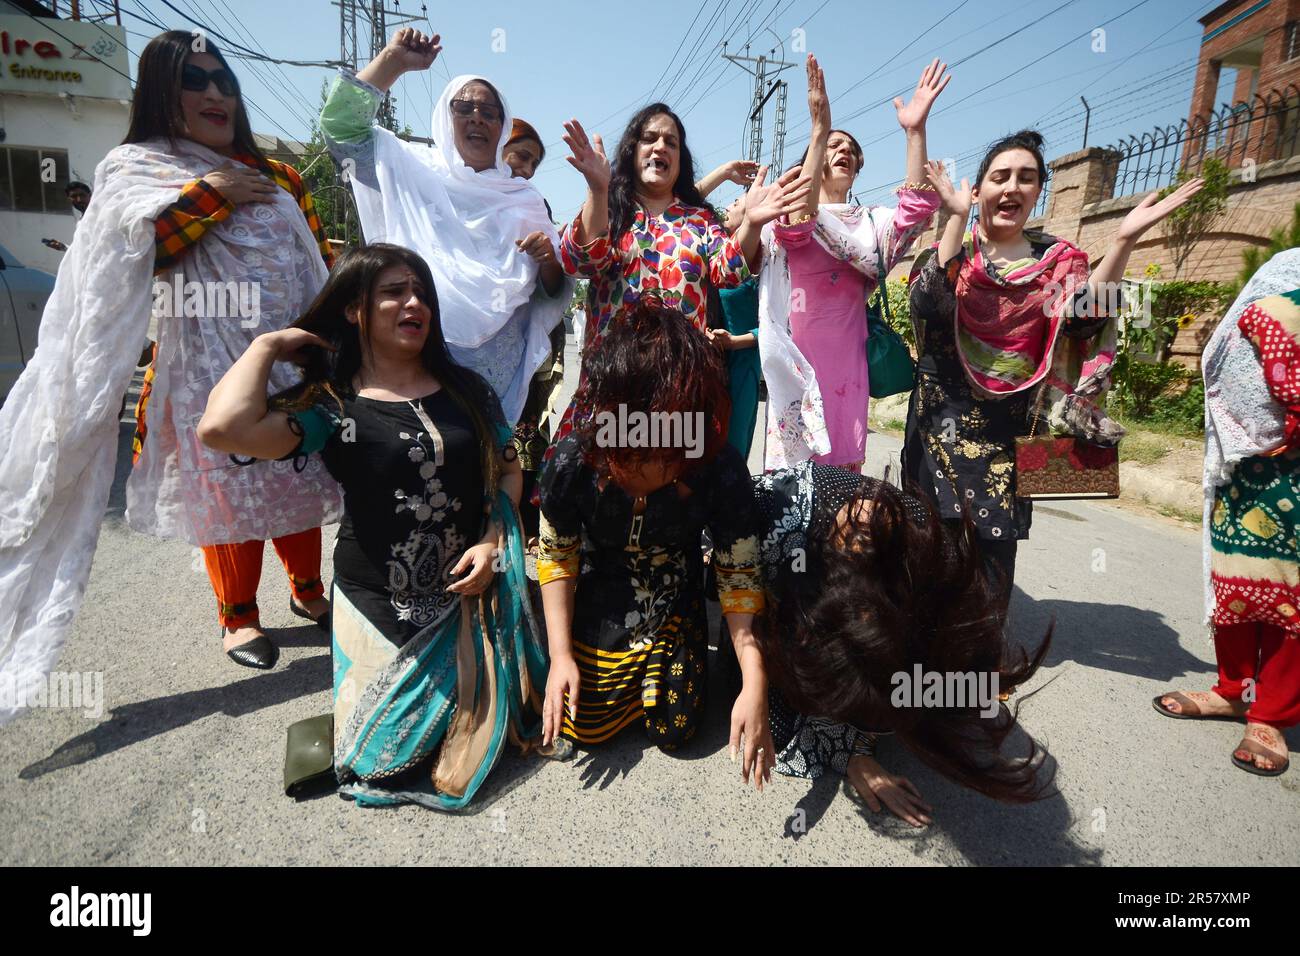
[
  {"x": 1242, "y": 419},
  {"x": 495, "y": 315},
  {"x": 796, "y": 419},
  {"x": 59, "y": 429}
]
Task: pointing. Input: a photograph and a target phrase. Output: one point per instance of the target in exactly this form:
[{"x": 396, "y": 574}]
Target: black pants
[{"x": 999, "y": 560}]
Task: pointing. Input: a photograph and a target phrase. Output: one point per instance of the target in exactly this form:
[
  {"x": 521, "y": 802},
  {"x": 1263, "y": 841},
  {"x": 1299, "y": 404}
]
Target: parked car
[{"x": 23, "y": 292}]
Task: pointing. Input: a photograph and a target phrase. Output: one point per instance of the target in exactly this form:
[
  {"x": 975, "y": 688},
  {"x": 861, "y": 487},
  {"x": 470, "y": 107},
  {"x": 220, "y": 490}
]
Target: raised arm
[
  {"x": 1142, "y": 217},
  {"x": 819, "y": 111},
  {"x": 913, "y": 115},
  {"x": 764, "y": 203},
  {"x": 237, "y": 419},
  {"x": 957, "y": 203},
  {"x": 738, "y": 171},
  {"x": 407, "y": 50},
  {"x": 588, "y": 158}
]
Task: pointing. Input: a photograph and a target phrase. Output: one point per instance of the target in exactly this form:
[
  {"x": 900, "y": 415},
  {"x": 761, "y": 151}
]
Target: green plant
[
  {"x": 900, "y": 308},
  {"x": 1138, "y": 385},
  {"x": 1279, "y": 241},
  {"x": 1188, "y": 225}
]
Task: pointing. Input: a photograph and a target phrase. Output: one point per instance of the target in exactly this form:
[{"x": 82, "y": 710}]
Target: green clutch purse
[
  {"x": 309, "y": 756},
  {"x": 890, "y": 368}
]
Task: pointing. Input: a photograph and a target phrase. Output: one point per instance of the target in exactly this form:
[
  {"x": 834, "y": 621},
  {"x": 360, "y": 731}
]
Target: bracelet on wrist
[{"x": 915, "y": 187}]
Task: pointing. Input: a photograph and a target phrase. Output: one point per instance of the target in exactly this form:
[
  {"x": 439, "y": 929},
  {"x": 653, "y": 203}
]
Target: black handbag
[{"x": 309, "y": 756}]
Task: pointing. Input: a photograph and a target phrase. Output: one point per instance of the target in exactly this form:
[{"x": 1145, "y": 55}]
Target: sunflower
[{"x": 1185, "y": 320}]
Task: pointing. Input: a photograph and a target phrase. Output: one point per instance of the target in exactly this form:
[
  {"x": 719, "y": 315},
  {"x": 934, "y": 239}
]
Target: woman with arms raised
[
  {"x": 644, "y": 226},
  {"x": 824, "y": 264},
  {"x": 486, "y": 233},
  {"x": 1006, "y": 318},
  {"x": 437, "y": 662}
]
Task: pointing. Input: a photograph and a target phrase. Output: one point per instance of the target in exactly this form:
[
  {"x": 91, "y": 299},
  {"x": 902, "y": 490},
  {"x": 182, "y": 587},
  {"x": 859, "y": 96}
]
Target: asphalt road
[{"x": 184, "y": 764}]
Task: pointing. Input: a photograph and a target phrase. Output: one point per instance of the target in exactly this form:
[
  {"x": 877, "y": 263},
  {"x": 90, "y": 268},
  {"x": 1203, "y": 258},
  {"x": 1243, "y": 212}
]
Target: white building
[{"x": 64, "y": 103}]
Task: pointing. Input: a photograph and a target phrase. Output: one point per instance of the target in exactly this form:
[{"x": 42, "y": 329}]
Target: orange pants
[{"x": 236, "y": 569}]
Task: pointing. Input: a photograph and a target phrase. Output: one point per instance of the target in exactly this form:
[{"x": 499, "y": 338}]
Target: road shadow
[
  {"x": 133, "y": 723},
  {"x": 1111, "y": 637},
  {"x": 117, "y": 496},
  {"x": 983, "y": 831}
]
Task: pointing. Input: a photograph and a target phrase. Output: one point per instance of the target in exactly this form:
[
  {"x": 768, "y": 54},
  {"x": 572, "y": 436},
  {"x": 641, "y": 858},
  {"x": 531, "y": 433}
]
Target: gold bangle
[
  {"x": 800, "y": 220},
  {"x": 916, "y": 187}
]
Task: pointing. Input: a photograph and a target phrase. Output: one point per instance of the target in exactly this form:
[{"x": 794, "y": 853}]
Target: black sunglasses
[
  {"x": 196, "y": 80},
  {"x": 486, "y": 110}
]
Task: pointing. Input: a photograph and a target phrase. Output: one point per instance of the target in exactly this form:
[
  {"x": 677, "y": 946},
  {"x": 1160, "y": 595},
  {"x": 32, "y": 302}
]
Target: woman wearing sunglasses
[
  {"x": 485, "y": 233},
  {"x": 192, "y": 223}
]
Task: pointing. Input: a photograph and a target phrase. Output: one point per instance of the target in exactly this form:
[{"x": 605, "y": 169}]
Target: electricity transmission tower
[
  {"x": 356, "y": 17},
  {"x": 765, "y": 85}
]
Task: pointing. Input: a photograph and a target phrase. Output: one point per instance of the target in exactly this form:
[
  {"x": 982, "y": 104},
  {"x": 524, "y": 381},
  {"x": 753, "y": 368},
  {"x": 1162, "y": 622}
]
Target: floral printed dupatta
[
  {"x": 1007, "y": 348},
  {"x": 467, "y": 683}
]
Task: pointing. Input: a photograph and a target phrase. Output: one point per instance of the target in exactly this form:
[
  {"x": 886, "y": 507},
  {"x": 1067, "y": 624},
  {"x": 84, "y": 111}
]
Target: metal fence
[{"x": 1263, "y": 129}]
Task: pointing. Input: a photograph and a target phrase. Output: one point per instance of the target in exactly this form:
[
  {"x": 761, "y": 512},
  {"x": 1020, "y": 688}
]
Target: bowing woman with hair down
[
  {"x": 644, "y": 226},
  {"x": 823, "y": 265},
  {"x": 619, "y": 562},
  {"x": 1006, "y": 319},
  {"x": 437, "y": 662},
  {"x": 485, "y": 233},
  {"x": 865, "y": 586},
  {"x": 189, "y": 199}
]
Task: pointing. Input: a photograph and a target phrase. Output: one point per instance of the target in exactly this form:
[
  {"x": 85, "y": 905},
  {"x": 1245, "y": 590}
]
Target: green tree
[{"x": 1190, "y": 223}]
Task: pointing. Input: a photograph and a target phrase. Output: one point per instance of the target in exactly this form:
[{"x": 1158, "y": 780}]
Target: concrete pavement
[{"x": 184, "y": 765}]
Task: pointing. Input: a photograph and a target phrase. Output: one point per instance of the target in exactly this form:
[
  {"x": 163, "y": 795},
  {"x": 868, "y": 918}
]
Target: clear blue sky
[{"x": 600, "y": 61}]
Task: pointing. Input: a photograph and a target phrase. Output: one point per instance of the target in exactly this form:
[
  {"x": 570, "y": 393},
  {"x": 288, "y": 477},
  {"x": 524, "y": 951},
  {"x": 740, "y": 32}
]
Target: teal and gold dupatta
[{"x": 467, "y": 683}]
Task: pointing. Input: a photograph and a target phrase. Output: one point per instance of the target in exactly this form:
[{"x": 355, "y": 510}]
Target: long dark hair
[
  {"x": 623, "y": 177},
  {"x": 893, "y": 592},
  {"x": 350, "y": 286},
  {"x": 155, "y": 107},
  {"x": 653, "y": 360}
]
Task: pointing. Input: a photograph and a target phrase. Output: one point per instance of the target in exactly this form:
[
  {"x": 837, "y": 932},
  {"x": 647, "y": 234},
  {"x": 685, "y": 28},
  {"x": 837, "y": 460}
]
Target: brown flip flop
[
  {"x": 1186, "y": 702},
  {"x": 1253, "y": 744}
]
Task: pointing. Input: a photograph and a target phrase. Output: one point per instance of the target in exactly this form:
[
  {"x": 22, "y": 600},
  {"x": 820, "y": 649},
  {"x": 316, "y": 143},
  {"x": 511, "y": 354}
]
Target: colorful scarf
[
  {"x": 1008, "y": 325},
  {"x": 1244, "y": 417},
  {"x": 464, "y": 686}
]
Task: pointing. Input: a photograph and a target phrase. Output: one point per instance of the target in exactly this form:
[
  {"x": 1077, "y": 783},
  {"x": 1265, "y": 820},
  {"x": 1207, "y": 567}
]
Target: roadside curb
[{"x": 1137, "y": 482}]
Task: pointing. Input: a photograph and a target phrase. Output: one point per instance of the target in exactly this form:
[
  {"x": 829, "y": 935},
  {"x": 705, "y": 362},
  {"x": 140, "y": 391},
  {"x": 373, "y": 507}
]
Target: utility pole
[
  {"x": 763, "y": 89},
  {"x": 778, "y": 130},
  {"x": 375, "y": 17}
]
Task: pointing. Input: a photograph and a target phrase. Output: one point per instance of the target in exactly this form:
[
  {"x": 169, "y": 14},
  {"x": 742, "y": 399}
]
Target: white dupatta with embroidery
[{"x": 59, "y": 429}]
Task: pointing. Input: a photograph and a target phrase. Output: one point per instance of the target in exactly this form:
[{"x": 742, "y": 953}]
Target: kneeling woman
[
  {"x": 865, "y": 586},
  {"x": 436, "y": 664},
  {"x": 626, "y": 507}
]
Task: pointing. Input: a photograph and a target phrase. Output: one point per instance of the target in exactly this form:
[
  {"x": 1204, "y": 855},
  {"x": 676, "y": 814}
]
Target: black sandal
[{"x": 323, "y": 622}]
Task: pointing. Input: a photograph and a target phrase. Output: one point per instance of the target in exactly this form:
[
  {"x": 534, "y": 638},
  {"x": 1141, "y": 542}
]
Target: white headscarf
[{"x": 465, "y": 225}]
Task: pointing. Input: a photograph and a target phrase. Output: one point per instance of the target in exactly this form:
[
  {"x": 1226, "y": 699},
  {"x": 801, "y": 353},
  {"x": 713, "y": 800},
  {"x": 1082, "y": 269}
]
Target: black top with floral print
[
  {"x": 412, "y": 503},
  {"x": 954, "y": 435}
]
